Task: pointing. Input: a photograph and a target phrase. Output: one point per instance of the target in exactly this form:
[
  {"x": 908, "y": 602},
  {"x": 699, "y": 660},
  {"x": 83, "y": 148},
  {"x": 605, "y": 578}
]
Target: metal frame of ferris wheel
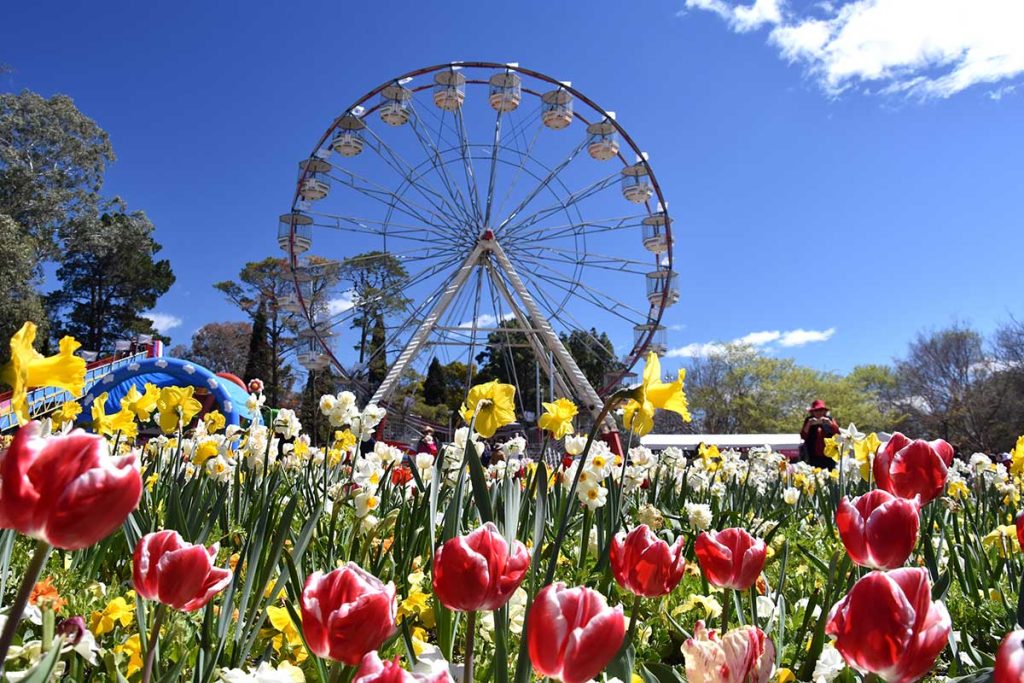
[{"x": 487, "y": 254}]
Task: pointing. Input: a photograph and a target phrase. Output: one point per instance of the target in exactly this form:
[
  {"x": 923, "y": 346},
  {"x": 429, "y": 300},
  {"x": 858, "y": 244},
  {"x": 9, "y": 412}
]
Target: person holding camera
[{"x": 818, "y": 426}]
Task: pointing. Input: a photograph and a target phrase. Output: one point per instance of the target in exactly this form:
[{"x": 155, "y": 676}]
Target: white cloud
[
  {"x": 926, "y": 48},
  {"x": 163, "y": 322},
  {"x": 803, "y": 337},
  {"x": 759, "y": 340},
  {"x": 343, "y": 303},
  {"x": 486, "y": 320}
]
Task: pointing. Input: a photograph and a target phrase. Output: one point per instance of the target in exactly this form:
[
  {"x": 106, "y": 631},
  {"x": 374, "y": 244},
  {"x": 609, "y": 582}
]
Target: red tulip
[
  {"x": 878, "y": 529},
  {"x": 169, "y": 570},
  {"x": 743, "y": 655},
  {"x": 477, "y": 571},
  {"x": 65, "y": 490},
  {"x": 572, "y": 633},
  {"x": 347, "y": 613},
  {"x": 1010, "y": 659},
  {"x": 373, "y": 670},
  {"x": 888, "y": 625},
  {"x": 644, "y": 564},
  {"x": 730, "y": 558},
  {"x": 913, "y": 468},
  {"x": 1020, "y": 528},
  {"x": 401, "y": 476}
]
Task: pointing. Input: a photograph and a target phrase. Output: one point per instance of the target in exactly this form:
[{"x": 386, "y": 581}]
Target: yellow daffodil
[
  {"x": 151, "y": 481},
  {"x": 215, "y": 421},
  {"x": 133, "y": 649},
  {"x": 711, "y": 456},
  {"x": 177, "y": 405},
  {"x": 288, "y": 636},
  {"x": 557, "y": 419},
  {"x": 832, "y": 448},
  {"x": 344, "y": 440},
  {"x": 417, "y": 606},
  {"x": 1004, "y": 539},
  {"x": 653, "y": 394},
  {"x": 493, "y": 405},
  {"x": 122, "y": 421},
  {"x": 29, "y": 368},
  {"x": 864, "y": 452},
  {"x": 958, "y": 489},
  {"x": 117, "y": 611},
  {"x": 419, "y": 640},
  {"x": 142, "y": 405},
  {"x": 711, "y": 607},
  {"x": 785, "y": 675},
  {"x": 206, "y": 449},
  {"x": 1017, "y": 458},
  {"x": 68, "y": 412}
]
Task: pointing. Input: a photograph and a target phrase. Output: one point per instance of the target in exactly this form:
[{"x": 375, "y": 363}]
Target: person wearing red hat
[{"x": 818, "y": 426}]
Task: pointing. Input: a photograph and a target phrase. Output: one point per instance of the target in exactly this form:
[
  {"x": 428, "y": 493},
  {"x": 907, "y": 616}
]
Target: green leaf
[
  {"x": 42, "y": 671},
  {"x": 662, "y": 673},
  {"x": 479, "y": 479},
  {"x": 622, "y": 666}
]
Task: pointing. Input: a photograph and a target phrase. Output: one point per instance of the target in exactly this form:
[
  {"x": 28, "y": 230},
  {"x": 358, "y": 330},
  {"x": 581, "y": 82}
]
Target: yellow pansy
[
  {"x": 652, "y": 394},
  {"x": 557, "y": 418},
  {"x": 68, "y": 412},
  {"x": 176, "y": 404},
  {"x": 142, "y": 405},
  {"x": 288, "y": 635},
  {"x": 117, "y": 611},
  {"x": 493, "y": 405},
  {"x": 214, "y": 421},
  {"x": 133, "y": 648},
  {"x": 29, "y": 368},
  {"x": 712, "y": 608}
]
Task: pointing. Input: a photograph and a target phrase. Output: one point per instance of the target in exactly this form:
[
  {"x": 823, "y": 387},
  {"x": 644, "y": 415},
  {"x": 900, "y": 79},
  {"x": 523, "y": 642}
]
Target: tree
[
  {"x": 377, "y": 368},
  {"x": 52, "y": 161},
  {"x": 222, "y": 347},
  {"x": 508, "y": 357},
  {"x": 261, "y": 288},
  {"x": 317, "y": 384},
  {"x": 108, "y": 277},
  {"x": 18, "y": 281},
  {"x": 259, "y": 362},
  {"x": 435, "y": 386},
  {"x": 594, "y": 353},
  {"x": 375, "y": 278}
]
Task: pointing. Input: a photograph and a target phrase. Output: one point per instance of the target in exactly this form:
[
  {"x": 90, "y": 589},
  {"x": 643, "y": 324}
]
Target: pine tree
[
  {"x": 435, "y": 385},
  {"x": 261, "y": 358}
]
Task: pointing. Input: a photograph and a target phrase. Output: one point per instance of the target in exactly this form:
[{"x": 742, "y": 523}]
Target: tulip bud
[
  {"x": 167, "y": 569},
  {"x": 888, "y": 625},
  {"x": 743, "y": 655},
  {"x": 913, "y": 468},
  {"x": 347, "y": 613},
  {"x": 572, "y": 633},
  {"x": 730, "y": 558},
  {"x": 878, "y": 529},
  {"x": 644, "y": 564},
  {"x": 72, "y": 628},
  {"x": 479, "y": 571},
  {"x": 1010, "y": 659},
  {"x": 373, "y": 670},
  {"x": 66, "y": 490}
]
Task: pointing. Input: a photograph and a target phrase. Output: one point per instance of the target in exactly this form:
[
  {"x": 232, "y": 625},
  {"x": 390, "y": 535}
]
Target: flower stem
[
  {"x": 633, "y": 619},
  {"x": 467, "y": 673},
  {"x": 32, "y": 572},
  {"x": 726, "y": 606},
  {"x": 154, "y": 634}
]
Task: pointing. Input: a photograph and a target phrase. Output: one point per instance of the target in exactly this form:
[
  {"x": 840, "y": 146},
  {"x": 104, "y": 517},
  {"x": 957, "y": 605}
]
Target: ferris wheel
[{"x": 503, "y": 203}]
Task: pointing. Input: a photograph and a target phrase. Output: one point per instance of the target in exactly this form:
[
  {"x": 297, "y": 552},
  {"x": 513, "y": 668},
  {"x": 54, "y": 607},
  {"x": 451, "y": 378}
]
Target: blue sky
[{"x": 841, "y": 176}]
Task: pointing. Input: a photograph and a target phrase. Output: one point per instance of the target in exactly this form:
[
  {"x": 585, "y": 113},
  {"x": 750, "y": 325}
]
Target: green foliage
[
  {"x": 109, "y": 276},
  {"x": 375, "y": 279},
  {"x": 315, "y": 424},
  {"x": 260, "y": 359},
  {"x": 222, "y": 347},
  {"x": 52, "y": 161},
  {"x": 18, "y": 281}
]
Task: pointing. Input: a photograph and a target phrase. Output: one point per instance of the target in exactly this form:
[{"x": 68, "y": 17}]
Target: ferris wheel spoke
[
  {"x": 433, "y": 152},
  {"x": 467, "y": 163},
  {"x": 394, "y": 201},
  {"x": 591, "y": 340},
  {"x": 388, "y": 229},
  {"x": 579, "y": 288},
  {"x": 543, "y": 184},
  {"x": 564, "y": 205},
  {"x": 520, "y": 167},
  {"x": 494, "y": 168},
  {"x": 546, "y": 232},
  {"x": 585, "y": 260},
  {"x": 408, "y": 173}
]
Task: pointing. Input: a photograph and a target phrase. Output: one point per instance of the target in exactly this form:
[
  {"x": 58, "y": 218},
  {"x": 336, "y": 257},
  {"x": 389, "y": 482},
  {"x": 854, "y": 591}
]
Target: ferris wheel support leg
[
  {"x": 419, "y": 337},
  {"x": 580, "y": 384}
]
